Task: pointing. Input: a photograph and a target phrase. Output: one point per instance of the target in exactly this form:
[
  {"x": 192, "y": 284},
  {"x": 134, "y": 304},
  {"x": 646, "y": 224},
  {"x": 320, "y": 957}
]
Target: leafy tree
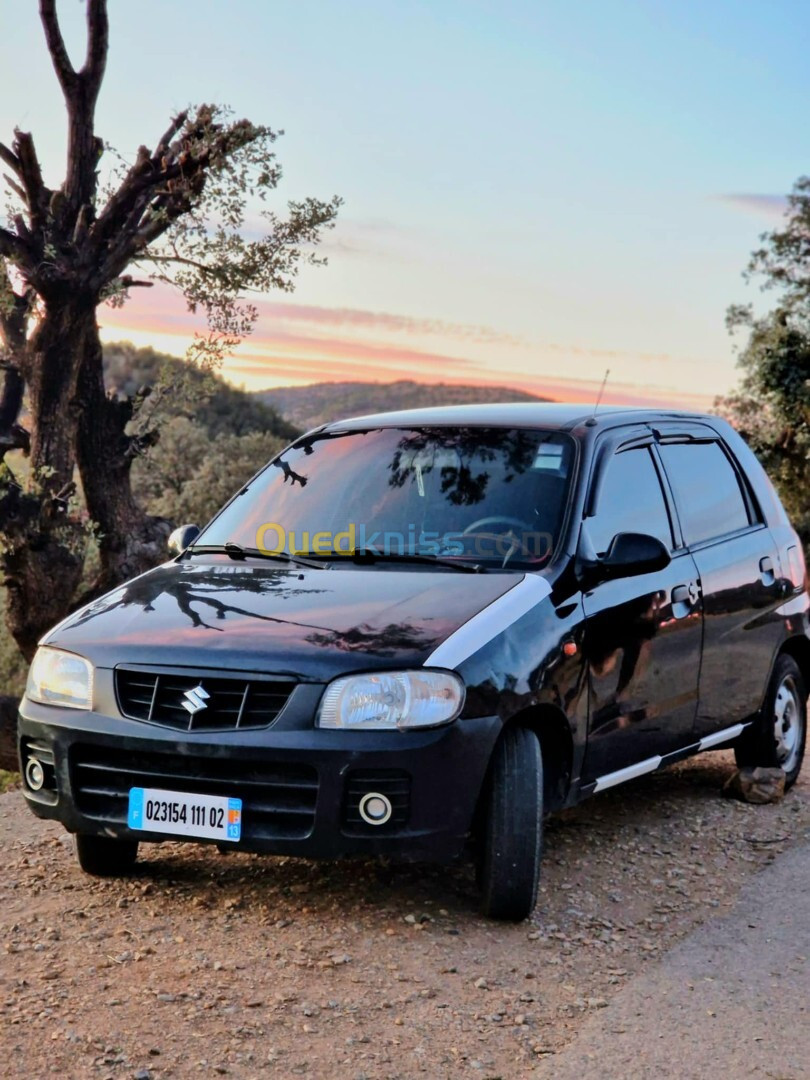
[
  {"x": 175, "y": 215},
  {"x": 771, "y": 407},
  {"x": 189, "y": 476}
]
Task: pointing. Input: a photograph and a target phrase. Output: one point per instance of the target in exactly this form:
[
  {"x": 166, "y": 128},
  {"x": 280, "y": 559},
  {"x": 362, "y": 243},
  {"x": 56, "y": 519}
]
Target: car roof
[{"x": 519, "y": 414}]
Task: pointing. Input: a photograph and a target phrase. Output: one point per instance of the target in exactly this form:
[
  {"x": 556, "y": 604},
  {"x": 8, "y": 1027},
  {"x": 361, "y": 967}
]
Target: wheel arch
[
  {"x": 798, "y": 648},
  {"x": 552, "y": 727}
]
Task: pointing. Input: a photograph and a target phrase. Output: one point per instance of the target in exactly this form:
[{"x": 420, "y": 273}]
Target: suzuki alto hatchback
[{"x": 416, "y": 632}]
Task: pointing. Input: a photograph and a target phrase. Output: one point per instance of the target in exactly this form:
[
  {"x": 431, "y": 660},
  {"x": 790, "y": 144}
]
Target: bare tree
[{"x": 176, "y": 215}]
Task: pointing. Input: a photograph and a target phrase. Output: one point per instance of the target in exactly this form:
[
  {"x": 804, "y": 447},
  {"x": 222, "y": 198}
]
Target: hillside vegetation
[
  {"x": 308, "y": 406},
  {"x": 218, "y": 407}
]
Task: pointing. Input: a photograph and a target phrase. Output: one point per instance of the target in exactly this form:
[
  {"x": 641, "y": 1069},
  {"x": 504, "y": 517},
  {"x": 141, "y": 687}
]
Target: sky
[{"x": 534, "y": 192}]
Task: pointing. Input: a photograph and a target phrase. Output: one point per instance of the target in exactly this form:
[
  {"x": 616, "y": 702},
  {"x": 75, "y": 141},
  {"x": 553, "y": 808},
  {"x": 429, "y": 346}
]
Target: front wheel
[
  {"x": 512, "y": 828},
  {"x": 104, "y": 856},
  {"x": 777, "y": 737}
]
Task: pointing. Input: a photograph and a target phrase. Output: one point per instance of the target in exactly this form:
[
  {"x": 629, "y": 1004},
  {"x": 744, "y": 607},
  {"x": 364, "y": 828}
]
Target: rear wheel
[
  {"x": 777, "y": 738},
  {"x": 512, "y": 828},
  {"x": 104, "y": 856}
]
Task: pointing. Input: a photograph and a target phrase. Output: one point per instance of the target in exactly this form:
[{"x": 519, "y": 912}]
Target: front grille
[
  {"x": 393, "y": 783},
  {"x": 278, "y": 799},
  {"x": 198, "y": 702}
]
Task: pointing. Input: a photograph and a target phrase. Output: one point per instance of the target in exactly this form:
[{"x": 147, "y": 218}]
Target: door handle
[
  {"x": 766, "y": 571},
  {"x": 687, "y": 594}
]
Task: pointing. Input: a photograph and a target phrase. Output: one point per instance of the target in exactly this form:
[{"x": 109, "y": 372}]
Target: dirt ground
[{"x": 248, "y": 966}]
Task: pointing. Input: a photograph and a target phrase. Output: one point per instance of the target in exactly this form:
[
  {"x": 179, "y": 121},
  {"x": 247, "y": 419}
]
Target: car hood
[{"x": 311, "y": 623}]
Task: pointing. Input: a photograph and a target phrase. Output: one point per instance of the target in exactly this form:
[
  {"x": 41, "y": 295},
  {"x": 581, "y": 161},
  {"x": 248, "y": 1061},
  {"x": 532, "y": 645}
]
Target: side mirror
[
  {"x": 180, "y": 539},
  {"x": 631, "y": 554}
]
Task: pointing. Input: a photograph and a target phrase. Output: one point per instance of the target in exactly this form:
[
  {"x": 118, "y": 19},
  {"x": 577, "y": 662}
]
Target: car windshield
[{"x": 491, "y": 496}]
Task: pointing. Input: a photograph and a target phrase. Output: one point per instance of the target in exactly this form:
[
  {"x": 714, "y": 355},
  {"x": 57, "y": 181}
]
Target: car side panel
[
  {"x": 643, "y": 652},
  {"x": 742, "y": 627},
  {"x": 537, "y": 661}
]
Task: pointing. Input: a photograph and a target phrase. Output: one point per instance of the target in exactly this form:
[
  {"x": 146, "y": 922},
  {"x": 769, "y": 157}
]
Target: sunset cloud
[
  {"x": 301, "y": 343},
  {"x": 381, "y": 320},
  {"x": 772, "y": 206}
]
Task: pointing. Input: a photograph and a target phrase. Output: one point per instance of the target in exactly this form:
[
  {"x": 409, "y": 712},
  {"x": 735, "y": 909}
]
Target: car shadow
[{"x": 360, "y": 885}]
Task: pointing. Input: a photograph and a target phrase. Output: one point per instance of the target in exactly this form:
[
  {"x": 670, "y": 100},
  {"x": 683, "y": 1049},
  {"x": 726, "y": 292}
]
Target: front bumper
[{"x": 299, "y": 786}]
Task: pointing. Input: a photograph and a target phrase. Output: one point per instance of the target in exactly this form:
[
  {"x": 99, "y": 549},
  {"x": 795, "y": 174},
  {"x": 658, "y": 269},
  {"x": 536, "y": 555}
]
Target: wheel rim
[{"x": 788, "y": 724}]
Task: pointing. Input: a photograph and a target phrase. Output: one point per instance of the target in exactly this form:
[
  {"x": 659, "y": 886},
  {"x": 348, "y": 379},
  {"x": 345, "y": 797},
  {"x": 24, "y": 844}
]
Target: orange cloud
[{"x": 292, "y": 345}]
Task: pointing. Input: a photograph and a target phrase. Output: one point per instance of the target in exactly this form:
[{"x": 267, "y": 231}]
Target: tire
[
  {"x": 512, "y": 828},
  {"x": 777, "y": 737},
  {"x": 102, "y": 856}
]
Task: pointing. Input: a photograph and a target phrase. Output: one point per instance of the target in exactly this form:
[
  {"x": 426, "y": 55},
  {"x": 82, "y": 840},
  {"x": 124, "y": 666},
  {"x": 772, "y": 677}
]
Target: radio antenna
[{"x": 601, "y": 391}]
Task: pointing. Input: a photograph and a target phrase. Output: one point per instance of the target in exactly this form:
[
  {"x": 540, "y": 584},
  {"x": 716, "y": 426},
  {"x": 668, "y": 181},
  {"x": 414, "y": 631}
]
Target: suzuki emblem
[{"x": 195, "y": 699}]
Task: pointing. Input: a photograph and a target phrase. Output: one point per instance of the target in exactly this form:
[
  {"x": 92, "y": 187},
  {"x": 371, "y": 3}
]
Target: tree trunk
[
  {"x": 130, "y": 541},
  {"x": 44, "y": 538},
  {"x": 8, "y": 734}
]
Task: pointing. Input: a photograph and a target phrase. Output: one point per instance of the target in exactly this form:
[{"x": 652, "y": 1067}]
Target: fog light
[
  {"x": 34, "y": 774},
  {"x": 375, "y": 809}
]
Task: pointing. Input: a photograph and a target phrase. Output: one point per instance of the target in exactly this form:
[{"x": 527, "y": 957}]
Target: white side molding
[
  {"x": 489, "y": 622},
  {"x": 721, "y": 736},
  {"x": 611, "y": 779}
]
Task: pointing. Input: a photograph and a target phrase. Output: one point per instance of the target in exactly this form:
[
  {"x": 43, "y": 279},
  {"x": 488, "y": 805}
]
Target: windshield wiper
[
  {"x": 238, "y": 553},
  {"x": 373, "y": 555}
]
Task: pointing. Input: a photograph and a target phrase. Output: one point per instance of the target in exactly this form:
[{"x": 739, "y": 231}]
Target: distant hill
[
  {"x": 221, "y": 409},
  {"x": 308, "y": 406}
]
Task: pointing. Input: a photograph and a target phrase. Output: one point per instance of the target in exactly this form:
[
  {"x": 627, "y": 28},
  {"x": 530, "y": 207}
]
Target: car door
[
  {"x": 642, "y": 640},
  {"x": 737, "y": 564}
]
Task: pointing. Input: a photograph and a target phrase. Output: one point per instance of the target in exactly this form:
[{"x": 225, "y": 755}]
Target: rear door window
[{"x": 707, "y": 490}]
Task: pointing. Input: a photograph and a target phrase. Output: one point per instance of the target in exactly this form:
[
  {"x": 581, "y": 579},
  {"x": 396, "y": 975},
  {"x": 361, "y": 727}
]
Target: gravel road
[{"x": 244, "y": 966}]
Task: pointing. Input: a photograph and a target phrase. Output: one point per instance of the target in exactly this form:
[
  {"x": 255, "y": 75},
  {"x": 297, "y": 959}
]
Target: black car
[{"x": 416, "y": 631}]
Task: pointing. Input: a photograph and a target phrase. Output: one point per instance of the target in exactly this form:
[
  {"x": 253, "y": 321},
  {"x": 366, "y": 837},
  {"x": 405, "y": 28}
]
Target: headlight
[
  {"x": 60, "y": 678},
  {"x": 392, "y": 699}
]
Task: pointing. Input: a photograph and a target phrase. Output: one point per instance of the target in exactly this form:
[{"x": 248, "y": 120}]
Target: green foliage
[
  {"x": 309, "y": 406},
  {"x": 213, "y": 437},
  {"x": 182, "y": 389},
  {"x": 202, "y": 246},
  {"x": 8, "y": 780},
  {"x": 13, "y": 668},
  {"x": 190, "y": 475},
  {"x": 771, "y": 407}
]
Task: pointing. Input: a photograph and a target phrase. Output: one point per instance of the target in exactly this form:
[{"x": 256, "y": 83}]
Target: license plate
[{"x": 179, "y": 813}]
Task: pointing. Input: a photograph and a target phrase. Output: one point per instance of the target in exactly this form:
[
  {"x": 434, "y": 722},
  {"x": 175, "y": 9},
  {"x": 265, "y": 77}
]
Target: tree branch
[
  {"x": 37, "y": 195},
  {"x": 126, "y": 207},
  {"x": 166, "y": 138},
  {"x": 98, "y": 32},
  {"x": 65, "y": 71},
  {"x": 80, "y": 90},
  {"x": 129, "y": 282},
  {"x": 15, "y": 187},
  {"x": 10, "y": 158},
  {"x": 11, "y": 247},
  {"x": 13, "y": 324},
  {"x": 183, "y": 261}
]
